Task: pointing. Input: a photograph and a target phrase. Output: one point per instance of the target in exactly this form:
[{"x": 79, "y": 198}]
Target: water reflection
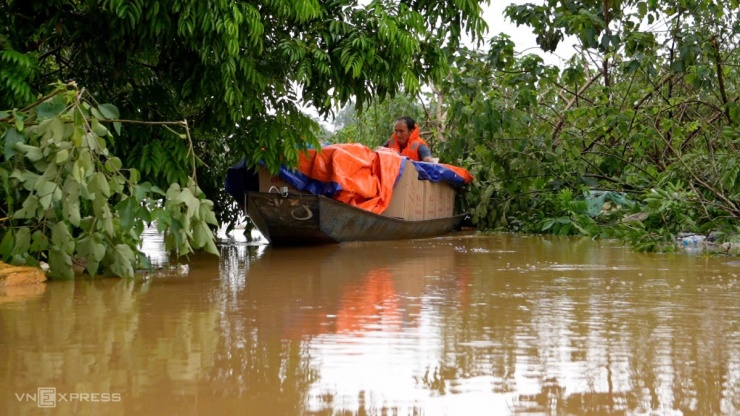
[{"x": 455, "y": 326}]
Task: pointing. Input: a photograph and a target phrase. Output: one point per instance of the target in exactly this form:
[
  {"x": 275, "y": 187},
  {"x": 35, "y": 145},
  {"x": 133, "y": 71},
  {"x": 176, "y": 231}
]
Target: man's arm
[{"x": 425, "y": 154}]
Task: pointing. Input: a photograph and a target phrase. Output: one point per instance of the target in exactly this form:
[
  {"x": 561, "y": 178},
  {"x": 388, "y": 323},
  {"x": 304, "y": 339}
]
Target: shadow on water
[{"x": 464, "y": 325}]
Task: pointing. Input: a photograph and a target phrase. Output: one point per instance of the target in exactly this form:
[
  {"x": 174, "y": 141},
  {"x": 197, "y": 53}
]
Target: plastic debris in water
[{"x": 693, "y": 241}]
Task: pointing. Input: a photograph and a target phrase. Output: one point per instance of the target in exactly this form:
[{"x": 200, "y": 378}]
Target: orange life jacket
[{"x": 412, "y": 146}]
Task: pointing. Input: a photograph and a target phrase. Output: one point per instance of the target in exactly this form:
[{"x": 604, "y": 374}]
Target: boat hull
[{"x": 307, "y": 219}]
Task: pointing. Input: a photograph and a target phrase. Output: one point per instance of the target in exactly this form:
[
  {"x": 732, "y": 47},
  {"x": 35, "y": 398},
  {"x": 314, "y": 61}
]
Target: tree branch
[
  {"x": 634, "y": 108},
  {"x": 561, "y": 121},
  {"x": 576, "y": 93},
  {"x": 41, "y": 100}
]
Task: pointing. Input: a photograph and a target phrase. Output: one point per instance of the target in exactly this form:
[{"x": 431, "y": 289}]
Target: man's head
[{"x": 403, "y": 129}]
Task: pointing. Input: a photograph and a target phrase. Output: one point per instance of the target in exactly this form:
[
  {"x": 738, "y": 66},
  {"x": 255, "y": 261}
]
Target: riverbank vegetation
[{"x": 634, "y": 137}]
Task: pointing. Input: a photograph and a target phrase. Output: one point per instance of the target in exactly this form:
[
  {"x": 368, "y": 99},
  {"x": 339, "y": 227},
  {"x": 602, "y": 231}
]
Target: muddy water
[{"x": 468, "y": 325}]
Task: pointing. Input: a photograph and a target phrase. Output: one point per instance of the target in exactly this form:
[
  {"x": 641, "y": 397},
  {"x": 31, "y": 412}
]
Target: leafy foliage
[
  {"x": 15, "y": 71},
  {"x": 239, "y": 72},
  {"x": 374, "y": 125},
  {"x": 651, "y": 114},
  {"x": 567, "y": 215},
  {"x": 645, "y": 113},
  {"x": 66, "y": 199}
]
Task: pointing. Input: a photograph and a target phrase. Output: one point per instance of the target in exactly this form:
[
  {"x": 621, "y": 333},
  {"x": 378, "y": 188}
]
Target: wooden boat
[{"x": 304, "y": 219}]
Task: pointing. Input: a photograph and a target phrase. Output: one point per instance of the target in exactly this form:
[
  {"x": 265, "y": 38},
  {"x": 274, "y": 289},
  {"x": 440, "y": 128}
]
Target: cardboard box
[
  {"x": 267, "y": 181},
  {"x": 430, "y": 200},
  {"x": 439, "y": 200},
  {"x": 408, "y": 196},
  {"x": 446, "y": 206}
]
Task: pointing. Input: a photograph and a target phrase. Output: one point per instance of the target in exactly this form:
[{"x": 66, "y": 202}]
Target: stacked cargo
[{"x": 413, "y": 199}]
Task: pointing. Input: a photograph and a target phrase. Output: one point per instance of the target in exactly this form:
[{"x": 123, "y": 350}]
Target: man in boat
[{"x": 407, "y": 142}]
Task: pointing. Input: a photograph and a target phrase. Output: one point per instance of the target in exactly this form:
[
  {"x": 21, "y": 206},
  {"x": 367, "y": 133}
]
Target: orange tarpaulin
[
  {"x": 366, "y": 178},
  {"x": 351, "y": 173}
]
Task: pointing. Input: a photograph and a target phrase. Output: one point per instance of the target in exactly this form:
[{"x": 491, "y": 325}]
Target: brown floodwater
[{"x": 462, "y": 325}]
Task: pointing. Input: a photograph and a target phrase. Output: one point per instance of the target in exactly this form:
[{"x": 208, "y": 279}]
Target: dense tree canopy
[{"x": 238, "y": 71}]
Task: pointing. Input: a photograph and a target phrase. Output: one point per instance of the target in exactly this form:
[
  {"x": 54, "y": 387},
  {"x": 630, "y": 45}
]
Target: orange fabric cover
[{"x": 366, "y": 177}]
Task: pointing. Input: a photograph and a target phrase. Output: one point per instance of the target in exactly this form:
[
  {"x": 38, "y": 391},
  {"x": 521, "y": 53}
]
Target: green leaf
[
  {"x": 39, "y": 241},
  {"x": 123, "y": 261},
  {"x": 162, "y": 218},
  {"x": 32, "y": 153},
  {"x": 93, "y": 252},
  {"x": 22, "y": 241},
  {"x": 55, "y": 130},
  {"x": 30, "y": 205},
  {"x": 201, "y": 234},
  {"x": 210, "y": 245},
  {"x": 105, "y": 218},
  {"x": 61, "y": 156},
  {"x": 46, "y": 191},
  {"x": 99, "y": 184},
  {"x": 109, "y": 111},
  {"x": 141, "y": 192},
  {"x": 6, "y": 245},
  {"x": 143, "y": 260},
  {"x": 134, "y": 176},
  {"x": 642, "y": 8},
  {"x": 96, "y": 114},
  {"x": 60, "y": 237},
  {"x": 127, "y": 212},
  {"x": 77, "y": 135},
  {"x": 18, "y": 121},
  {"x": 547, "y": 224},
  {"x": 156, "y": 190},
  {"x": 11, "y": 138},
  {"x": 206, "y": 212},
  {"x": 92, "y": 267},
  {"x": 98, "y": 247},
  {"x": 19, "y": 260},
  {"x": 60, "y": 264},
  {"x": 187, "y": 197},
  {"x": 50, "y": 108},
  {"x": 113, "y": 164},
  {"x": 71, "y": 205},
  {"x": 91, "y": 140},
  {"x": 99, "y": 129}
]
